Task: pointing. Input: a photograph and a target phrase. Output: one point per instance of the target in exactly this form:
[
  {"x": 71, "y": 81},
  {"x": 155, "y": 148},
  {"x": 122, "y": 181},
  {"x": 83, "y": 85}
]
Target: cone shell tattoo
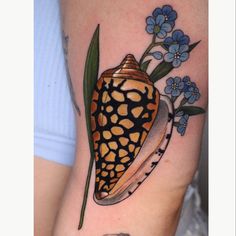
[{"x": 131, "y": 127}]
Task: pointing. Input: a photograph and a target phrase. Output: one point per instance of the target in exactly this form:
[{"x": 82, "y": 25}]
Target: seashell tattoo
[
  {"x": 129, "y": 121},
  {"x": 131, "y": 126}
]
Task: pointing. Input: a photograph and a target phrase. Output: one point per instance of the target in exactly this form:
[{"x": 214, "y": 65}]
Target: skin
[
  {"x": 50, "y": 180},
  {"x": 155, "y": 207}
]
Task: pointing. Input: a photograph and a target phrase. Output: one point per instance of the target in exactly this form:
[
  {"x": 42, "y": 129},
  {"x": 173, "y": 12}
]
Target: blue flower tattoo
[
  {"x": 168, "y": 12},
  {"x": 157, "y": 55},
  {"x": 183, "y": 124},
  {"x": 177, "y": 54},
  {"x": 178, "y": 37},
  {"x": 174, "y": 86},
  {"x": 192, "y": 94},
  {"x": 157, "y": 26}
]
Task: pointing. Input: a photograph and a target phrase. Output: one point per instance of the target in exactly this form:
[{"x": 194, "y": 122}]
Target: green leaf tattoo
[{"x": 90, "y": 78}]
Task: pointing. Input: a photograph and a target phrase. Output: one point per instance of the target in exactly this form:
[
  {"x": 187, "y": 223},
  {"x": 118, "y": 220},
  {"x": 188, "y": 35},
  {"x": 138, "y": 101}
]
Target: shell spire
[{"x": 128, "y": 69}]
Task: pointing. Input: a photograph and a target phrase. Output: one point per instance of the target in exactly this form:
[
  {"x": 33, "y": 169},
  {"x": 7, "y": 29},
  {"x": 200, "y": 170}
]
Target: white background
[{"x": 16, "y": 118}]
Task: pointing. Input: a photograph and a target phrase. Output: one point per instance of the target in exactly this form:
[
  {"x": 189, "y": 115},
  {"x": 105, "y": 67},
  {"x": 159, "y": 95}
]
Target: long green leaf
[
  {"x": 145, "y": 65},
  {"x": 164, "y": 68},
  {"x": 90, "y": 79},
  {"x": 191, "y": 110}
]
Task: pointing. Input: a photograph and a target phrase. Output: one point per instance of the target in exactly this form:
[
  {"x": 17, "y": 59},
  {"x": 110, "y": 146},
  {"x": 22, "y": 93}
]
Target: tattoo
[
  {"x": 129, "y": 116},
  {"x": 120, "y": 234},
  {"x": 65, "y": 49}
]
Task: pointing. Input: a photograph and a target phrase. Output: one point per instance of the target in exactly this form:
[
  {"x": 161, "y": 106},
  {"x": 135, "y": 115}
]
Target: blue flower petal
[
  {"x": 169, "y": 57},
  {"x": 177, "y": 79},
  {"x": 175, "y": 93},
  {"x": 186, "y": 79},
  {"x": 172, "y": 16},
  {"x": 181, "y": 129},
  {"x": 197, "y": 96},
  {"x": 150, "y": 29},
  {"x": 187, "y": 94},
  {"x": 150, "y": 21},
  {"x": 157, "y": 12},
  {"x": 166, "y": 9},
  {"x": 160, "y": 19},
  {"x": 184, "y": 56},
  {"x": 166, "y": 27},
  {"x": 161, "y": 34},
  {"x": 192, "y": 99},
  {"x": 184, "y": 40},
  {"x": 174, "y": 48},
  {"x": 176, "y": 62},
  {"x": 168, "y": 41},
  {"x": 157, "y": 55},
  {"x": 168, "y": 89},
  {"x": 183, "y": 48},
  {"x": 181, "y": 85},
  {"x": 170, "y": 81},
  {"x": 177, "y": 34}
]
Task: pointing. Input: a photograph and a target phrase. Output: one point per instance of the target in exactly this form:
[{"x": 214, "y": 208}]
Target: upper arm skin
[{"x": 154, "y": 208}]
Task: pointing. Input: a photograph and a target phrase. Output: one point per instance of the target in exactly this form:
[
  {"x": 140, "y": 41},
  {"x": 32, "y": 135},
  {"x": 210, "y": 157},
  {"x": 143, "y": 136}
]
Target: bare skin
[
  {"x": 49, "y": 182},
  {"x": 154, "y": 208}
]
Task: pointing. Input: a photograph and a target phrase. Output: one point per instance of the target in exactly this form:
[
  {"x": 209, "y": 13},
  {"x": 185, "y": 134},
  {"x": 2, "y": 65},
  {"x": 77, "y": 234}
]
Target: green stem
[
  {"x": 149, "y": 48},
  {"x": 183, "y": 101},
  {"x": 86, "y": 188}
]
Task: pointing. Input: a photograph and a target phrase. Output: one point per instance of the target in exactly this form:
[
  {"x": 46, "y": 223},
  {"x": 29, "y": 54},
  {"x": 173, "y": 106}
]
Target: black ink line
[{"x": 72, "y": 93}]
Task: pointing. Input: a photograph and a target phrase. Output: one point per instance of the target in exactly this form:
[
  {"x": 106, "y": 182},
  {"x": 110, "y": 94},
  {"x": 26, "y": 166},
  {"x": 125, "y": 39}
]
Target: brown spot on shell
[
  {"x": 114, "y": 118},
  {"x": 147, "y": 125},
  {"x": 93, "y": 123},
  {"x": 125, "y": 159},
  {"x": 119, "y": 167},
  {"x": 144, "y": 135},
  {"x": 107, "y": 134},
  {"x": 118, "y": 96},
  {"x": 134, "y": 137},
  {"x": 110, "y": 156},
  {"x": 96, "y": 136},
  {"x": 123, "y": 141},
  {"x": 109, "y": 108},
  {"x": 135, "y": 97},
  {"x": 102, "y": 120},
  {"x": 103, "y": 149},
  {"x": 113, "y": 145},
  {"x": 122, "y": 152},
  {"x": 126, "y": 123},
  {"x": 123, "y": 110},
  {"x": 105, "y": 97},
  {"x": 117, "y": 130},
  {"x": 101, "y": 183},
  {"x": 109, "y": 166},
  {"x": 137, "y": 111},
  {"x": 104, "y": 173},
  {"x": 112, "y": 174},
  {"x": 145, "y": 115},
  {"x": 131, "y": 147},
  {"x": 114, "y": 180},
  {"x": 136, "y": 151}
]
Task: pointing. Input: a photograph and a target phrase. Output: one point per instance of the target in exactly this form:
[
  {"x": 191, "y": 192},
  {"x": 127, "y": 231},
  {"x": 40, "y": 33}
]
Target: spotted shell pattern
[{"x": 123, "y": 109}]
